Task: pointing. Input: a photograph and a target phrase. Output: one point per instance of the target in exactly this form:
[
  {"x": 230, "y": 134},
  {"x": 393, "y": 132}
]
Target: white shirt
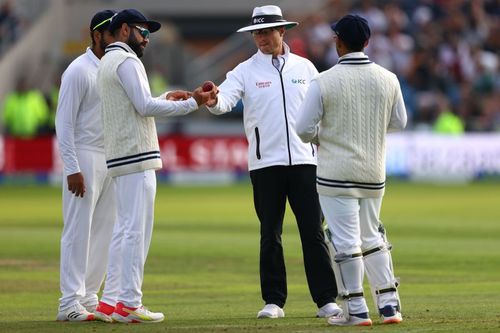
[
  {"x": 78, "y": 120},
  {"x": 137, "y": 88}
]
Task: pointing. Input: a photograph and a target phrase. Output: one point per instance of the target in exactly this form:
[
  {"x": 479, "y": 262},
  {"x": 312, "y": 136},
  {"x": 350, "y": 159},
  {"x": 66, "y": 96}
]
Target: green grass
[{"x": 202, "y": 270}]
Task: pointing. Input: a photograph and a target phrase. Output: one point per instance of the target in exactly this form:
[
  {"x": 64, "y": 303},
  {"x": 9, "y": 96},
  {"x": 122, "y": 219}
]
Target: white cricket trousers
[
  {"x": 135, "y": 196},
  {"x": 353, "y": 222},
  {"x": 88, "y": 226},
  {"x": 354, "y": 227}
]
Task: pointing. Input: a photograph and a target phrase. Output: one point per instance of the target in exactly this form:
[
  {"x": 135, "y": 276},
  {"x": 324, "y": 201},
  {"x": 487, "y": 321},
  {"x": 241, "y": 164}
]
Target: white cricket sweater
[
  {"x": 130, "y": 139},
  {"x": 359, "y": 98}
]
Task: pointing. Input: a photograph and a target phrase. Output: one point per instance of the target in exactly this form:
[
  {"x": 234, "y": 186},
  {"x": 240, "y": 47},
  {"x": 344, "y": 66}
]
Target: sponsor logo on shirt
[
  {"x": 299, "y": 81},
  {"x": 263, "y": 84}
]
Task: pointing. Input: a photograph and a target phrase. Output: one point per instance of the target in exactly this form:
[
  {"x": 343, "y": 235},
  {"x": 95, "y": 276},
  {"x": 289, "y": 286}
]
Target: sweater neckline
[
  {"x": 119, "y": 46},
  {"x": 355, "y": 58}
]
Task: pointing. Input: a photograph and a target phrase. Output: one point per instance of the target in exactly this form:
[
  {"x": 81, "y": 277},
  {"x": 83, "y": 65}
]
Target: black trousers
[{"x": 271, "y": 188}]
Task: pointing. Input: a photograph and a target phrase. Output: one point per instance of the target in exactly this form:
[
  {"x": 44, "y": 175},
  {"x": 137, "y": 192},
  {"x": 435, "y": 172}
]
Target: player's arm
[
  {"x": 399, "y": 117},
  {"x": 177, "y": 95},
  {"x": 71, "y": 93},
  {"x": 136, "y": 85},
  {"x": 310, "y": 114}
]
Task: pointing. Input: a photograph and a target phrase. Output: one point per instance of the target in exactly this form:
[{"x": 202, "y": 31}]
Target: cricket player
[
  {"x": 272, "y": 85},
  {"x": 132, "y": 152},
  {"x": 348, "y": 110},
  {"x": 89, "y": 207}
]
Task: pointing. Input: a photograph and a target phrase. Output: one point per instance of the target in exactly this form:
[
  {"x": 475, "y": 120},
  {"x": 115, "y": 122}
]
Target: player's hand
[
  {"x": 76, "y": 184},
  {"x": 213, "y": 101},
  {"x": 178, "y": 95},
  {"x": 202, "y": 96}
]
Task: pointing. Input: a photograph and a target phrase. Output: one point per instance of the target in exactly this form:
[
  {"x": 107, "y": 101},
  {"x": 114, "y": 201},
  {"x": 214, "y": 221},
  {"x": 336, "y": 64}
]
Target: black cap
[
  {"x": 352, "y": 29},
  {"x": 132, "y": 16},
  {"x": 101, "y": 20}
]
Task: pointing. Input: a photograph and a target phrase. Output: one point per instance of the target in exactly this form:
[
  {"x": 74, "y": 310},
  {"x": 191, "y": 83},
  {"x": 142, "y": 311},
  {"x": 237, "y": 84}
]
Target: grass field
[{"x": 202, "y": 270}]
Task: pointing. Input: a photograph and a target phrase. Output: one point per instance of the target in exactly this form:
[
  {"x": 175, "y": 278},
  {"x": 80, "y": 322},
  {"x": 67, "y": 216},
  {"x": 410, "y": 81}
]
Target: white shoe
[
  {"x": 328, "y": 310},
  {"x": 125, "y": 314},
  {"x": 271, "y": 311},
  {"x": 90, "y": 307},
  {"x": 362, "y": 320},
  {"x": 89, "y": 303},
  {"x": 75, "y": 313}
]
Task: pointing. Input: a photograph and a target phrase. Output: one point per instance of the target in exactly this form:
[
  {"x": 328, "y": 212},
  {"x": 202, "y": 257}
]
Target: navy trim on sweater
[
  {"x": 355, "y": 61},
  {"x": 155, "y": 154},
  {"x": 349, "y": 184},
  {"x": 114, "y": 47}
]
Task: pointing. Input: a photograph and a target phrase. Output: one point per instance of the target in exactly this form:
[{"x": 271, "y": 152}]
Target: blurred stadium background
[{"x": 445, "y": 53}]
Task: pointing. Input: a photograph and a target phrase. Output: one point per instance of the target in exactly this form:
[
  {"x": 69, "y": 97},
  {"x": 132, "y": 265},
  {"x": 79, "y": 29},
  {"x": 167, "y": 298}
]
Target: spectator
[
  {"x": 25, "y": 111},
  {"x": 437, "y": 48},
  {"x": 447, "y": 122},
  {"x": 9, "y": 25}
]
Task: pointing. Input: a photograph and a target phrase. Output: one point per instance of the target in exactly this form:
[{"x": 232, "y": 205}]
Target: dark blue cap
[
  {"x": 101, "y": 20},
  {"x": 132, "y": 16},
  {"x": 352, "y": 29}
]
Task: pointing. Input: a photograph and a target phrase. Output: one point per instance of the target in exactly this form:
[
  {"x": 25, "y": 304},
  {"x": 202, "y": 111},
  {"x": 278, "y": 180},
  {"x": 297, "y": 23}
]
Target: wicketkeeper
[{"x": 348, "y": 110}]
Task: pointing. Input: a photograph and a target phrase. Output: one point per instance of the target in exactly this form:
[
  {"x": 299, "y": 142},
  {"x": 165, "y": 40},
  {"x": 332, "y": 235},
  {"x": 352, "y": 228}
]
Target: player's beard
[
  {"x": 135, "y": 45},
  {"x": 103, "y": 44}
]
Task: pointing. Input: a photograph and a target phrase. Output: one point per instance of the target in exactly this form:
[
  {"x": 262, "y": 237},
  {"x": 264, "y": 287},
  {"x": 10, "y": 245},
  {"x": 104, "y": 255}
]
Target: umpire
[{"x": 272, "y": 84}]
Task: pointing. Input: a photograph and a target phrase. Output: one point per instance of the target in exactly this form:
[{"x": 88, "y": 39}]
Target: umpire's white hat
[{"x": 267, "y": 17}]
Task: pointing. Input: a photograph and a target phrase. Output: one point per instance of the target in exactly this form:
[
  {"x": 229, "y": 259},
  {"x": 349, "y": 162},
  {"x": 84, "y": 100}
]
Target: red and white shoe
[
  {"x": 103, "y": 312},
  {"x": 125, "y": 314},
  {"x": 75, "y": 313}
]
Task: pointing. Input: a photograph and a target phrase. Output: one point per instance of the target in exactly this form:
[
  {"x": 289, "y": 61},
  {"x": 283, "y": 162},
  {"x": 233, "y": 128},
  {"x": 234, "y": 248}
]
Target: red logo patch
[{"x": 265, "y": 84}]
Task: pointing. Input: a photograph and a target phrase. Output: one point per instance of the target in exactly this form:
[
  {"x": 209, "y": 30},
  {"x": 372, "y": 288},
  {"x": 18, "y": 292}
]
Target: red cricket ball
[{"x": 207, "y": 86}]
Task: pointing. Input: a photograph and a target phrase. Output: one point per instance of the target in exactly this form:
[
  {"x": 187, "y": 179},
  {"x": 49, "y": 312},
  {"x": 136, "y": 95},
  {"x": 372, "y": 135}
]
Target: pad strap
[
  {"x": 375, "y": 249},
  {"x": 386, "y": 290},
  {"x": 341, "y": 257},
  {"x": 351, "y": 295},
  {"x": 390, "y": 288}
]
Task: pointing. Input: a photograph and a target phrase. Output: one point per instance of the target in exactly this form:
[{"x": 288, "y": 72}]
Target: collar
[
  {"x": 354, "y": 58},
  {"x": 119, "y": 46},
  {"x": 92, "y": 56},
  {"x": 268, "y": 57}
]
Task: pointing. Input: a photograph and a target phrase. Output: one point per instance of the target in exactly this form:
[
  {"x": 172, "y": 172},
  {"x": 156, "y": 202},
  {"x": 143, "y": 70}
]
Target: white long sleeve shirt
[
  {"x": 136, "y": 85},
  {"x": 271, "y": 98},
  {"x": 78, "y": 120}
]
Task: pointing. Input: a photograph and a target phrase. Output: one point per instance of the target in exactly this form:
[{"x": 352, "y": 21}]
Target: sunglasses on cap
[
  {"x": 143, "y": 31},
  {"x": 104, "y": 22}
]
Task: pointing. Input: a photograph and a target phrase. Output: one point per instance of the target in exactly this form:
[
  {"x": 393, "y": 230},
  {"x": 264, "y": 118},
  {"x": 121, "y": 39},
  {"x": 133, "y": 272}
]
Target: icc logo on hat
[{"x": 267, "y": 17}]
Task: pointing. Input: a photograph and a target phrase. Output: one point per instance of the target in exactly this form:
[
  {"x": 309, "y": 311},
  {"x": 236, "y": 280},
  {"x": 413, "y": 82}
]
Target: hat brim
[
  {"x": 153, "y": 26},
  {"x": 253, "y": 27}
]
